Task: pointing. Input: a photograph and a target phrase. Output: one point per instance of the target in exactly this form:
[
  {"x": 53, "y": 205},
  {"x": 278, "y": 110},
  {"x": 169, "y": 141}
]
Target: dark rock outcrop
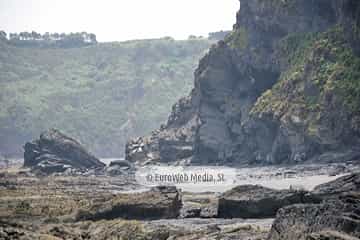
[
  {"x": 199, "y": 205},
  {"x": 172, "y": 142},
  {"x": 121, "y": 164},
  {"x": 338, "y": 187},
  {"x": 56, "y": 152},
  {"x": 336, "y": 217},
  {"x": 120, "y": 167},
  {"x": 330, "y": 235},
  {"x": 266, "y": 93},
  {"x": 307, "y": 221},
  {"x": 254, "y": 201},
  {"x": 158, "y": 203},
  {"x": 205, "y": 229}
]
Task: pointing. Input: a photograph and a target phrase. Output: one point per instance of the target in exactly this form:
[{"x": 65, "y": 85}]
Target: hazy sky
[{"x": 116, "y": 20}]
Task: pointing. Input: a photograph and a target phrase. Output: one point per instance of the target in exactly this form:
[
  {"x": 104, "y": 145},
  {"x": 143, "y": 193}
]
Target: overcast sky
[{"x": 117, "y": 20}]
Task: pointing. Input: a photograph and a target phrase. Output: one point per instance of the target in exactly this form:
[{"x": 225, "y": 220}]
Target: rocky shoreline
[
  {"x": 60, "y": 206},
  {"x": 269, "y": 98},
  {"x": 88, "y": 200}
]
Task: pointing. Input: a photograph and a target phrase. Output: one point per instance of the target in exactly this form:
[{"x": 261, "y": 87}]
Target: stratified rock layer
[
  {"x": 342, "y": 185},
  {"x": 254, "y": 201},
  {"x": 55, "y": 152},
  {"x": 301, "y": 221},
  {"x": 337, "y": 217},
  {"x": 158, "y": 203}
]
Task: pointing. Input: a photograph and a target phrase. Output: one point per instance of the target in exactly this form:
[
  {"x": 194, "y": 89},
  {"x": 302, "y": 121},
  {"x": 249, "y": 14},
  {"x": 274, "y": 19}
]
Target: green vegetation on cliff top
[
  {"x": 318, "y": 65},
  {"x": 238, "y": 39},
  {"x": 102, "y": 94}
]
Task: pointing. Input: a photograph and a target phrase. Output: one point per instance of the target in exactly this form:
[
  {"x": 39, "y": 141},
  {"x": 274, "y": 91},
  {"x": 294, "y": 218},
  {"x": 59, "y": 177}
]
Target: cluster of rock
[
  {"x": 83, "y": 204},
  {"x": 330, "y": 211},
  {"x": 308, "y": 221},
  {"x": 172, "y": 143},
  {"x": 298, "y": 214},
  {"x": 336, "y": 217},
  {"x": 153, "y": 230},
  {"x": 245, "y": 201},
  {"x": 242, "y": 111}
]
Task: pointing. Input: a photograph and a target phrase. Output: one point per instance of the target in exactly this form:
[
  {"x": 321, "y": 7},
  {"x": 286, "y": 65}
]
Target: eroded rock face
[
  {"x": 56, "y": 152},
  {"x": 327, "y": 235},
  {"x": 256, "y": 99},
  {"x": 254, "y": 201},
  {"x": 158, "y": 203},
  {"x": 172, "y": 142},
  {"x": 305, "y": 221},
  {"x": 336, "y": 217},
  {"x": 199, "y": 205},
  {"x": 120, "y": 167},
  {"x": 140, "y": 230},
  {"x": 342, "y": 185}
]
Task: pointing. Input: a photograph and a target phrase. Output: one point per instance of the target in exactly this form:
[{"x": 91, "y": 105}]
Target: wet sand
[{"x": 304, "y": 177}]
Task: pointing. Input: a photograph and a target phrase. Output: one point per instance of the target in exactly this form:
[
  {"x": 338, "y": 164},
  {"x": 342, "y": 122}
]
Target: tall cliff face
[{"x": 283, "y": 87}]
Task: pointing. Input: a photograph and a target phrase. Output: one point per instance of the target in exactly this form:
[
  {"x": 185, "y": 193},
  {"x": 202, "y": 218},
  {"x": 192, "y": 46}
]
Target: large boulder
[
  {"x": 309, "y": 221},
  {"x": 121, "y": 163},
  {"x": 120, "y": 167},
  {"x": 157, "y": 203},
  {"x": 336, "y": 217},
  {"x": 330, "y": 235},
  {"x": 342, "y": 185},
  {"x": 254, "y": 201},
  {"x": 199, "y": 205},
  {"x": 56, "y": 152}
]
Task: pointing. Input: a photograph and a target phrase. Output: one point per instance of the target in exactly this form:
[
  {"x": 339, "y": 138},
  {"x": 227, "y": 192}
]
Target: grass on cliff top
[
  {"x": 332, "y": 65},
  {"x": 238, "y": 39}
]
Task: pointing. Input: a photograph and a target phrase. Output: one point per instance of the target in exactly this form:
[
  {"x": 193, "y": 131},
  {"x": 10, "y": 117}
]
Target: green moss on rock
[
  {"x": 324, "y": 61},
  {"x": 238, "y": 39},
  {"x": 323, "y": 74}
]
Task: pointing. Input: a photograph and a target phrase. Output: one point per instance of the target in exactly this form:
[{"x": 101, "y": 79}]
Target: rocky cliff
[{"x": 283, "y": 87}]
